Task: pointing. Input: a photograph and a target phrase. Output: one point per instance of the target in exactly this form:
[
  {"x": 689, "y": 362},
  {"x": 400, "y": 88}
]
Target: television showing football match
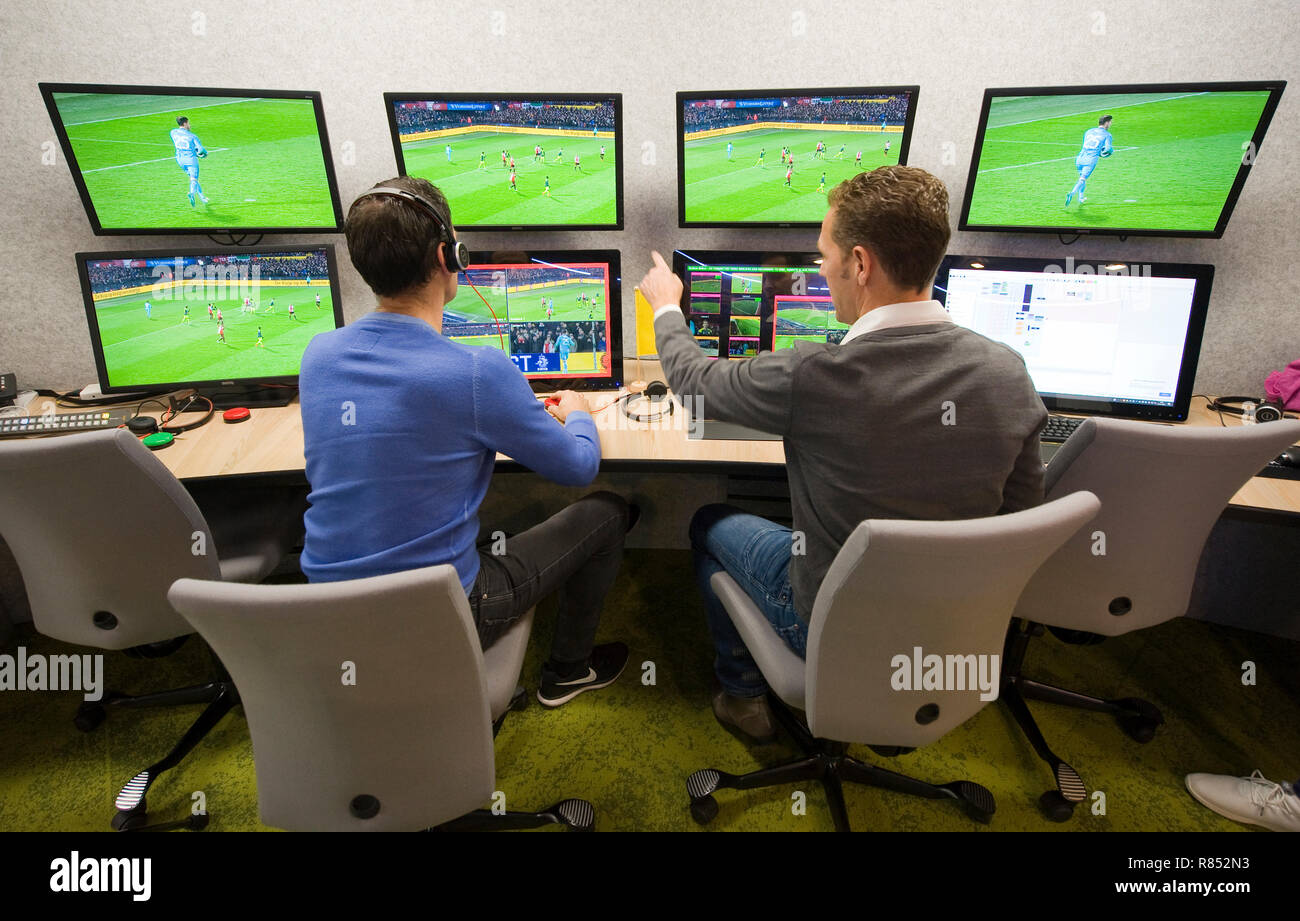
[
  {"x": 1161, "y": 159},
  {"x": 515, "y": 161},
  {"x": 769, "y": 158},
  {"x": 184, "y": 160}
]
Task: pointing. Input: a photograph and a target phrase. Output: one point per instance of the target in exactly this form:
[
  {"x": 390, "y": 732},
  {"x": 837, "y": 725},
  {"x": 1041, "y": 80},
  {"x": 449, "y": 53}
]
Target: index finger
[{"x": 659, "y": 260}]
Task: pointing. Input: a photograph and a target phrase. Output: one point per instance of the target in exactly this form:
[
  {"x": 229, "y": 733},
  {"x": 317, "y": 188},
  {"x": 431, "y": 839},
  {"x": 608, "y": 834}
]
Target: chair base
[
  {"x": 1138, "y": 718},
  {"x": 220, "y": 695},
  {"x": 828, "y": 763},
  {"x": 573, "y": 814}
]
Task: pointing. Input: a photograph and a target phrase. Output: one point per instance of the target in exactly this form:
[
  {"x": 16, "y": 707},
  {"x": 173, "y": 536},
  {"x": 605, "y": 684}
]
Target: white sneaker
[{"x": 1253, "y": 800}]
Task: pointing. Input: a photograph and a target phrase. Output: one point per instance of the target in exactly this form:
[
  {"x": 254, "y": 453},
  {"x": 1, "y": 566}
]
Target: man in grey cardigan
[{"x": 910, "y": 416}]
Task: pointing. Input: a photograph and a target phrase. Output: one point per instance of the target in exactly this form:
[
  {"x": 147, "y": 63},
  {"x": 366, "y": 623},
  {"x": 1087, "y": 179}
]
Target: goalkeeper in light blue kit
[
  {"x": 188, "y": 152},
  {"x": 1096, "y": 144}
]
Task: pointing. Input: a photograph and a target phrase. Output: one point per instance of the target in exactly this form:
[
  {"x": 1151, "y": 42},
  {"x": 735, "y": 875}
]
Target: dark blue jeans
[{"x": 756, "y": 553}]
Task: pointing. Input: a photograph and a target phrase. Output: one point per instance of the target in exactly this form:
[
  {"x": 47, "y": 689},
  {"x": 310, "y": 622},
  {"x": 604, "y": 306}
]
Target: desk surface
[{"x": 271, "y": 442}]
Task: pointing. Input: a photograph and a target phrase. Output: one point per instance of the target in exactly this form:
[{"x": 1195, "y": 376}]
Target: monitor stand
[{"x": 251, "y": 396}]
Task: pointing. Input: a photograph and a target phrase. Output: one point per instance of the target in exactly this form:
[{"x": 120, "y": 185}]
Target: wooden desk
[{"x": 271, "y": 442}]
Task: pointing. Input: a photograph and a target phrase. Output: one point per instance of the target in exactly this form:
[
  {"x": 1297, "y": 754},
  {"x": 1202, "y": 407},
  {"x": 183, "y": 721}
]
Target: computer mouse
[{"x": 1290, "y": 457}]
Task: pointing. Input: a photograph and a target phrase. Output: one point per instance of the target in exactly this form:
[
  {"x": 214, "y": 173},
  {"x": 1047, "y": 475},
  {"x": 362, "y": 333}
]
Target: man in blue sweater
[{"x": 402, "y": 427}]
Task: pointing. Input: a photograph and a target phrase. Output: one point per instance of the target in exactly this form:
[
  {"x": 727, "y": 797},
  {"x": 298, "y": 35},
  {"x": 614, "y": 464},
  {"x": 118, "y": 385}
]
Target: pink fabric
[{"x": 1285, "y": 386}]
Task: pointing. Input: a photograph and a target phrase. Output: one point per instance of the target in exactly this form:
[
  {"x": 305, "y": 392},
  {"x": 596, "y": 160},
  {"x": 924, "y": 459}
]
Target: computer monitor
[
  {"x": 513, "y": 161},
  {"x": 740, "y": 303},
  {"x": 151, "y": 330},
  {"x": 1153, "y": 159},
  {"x": 734, "y": 150},
  {"x": 557, "y": 314},
  {"x": 1101, "y": 338},
  {"x": 251, "y": 161}
]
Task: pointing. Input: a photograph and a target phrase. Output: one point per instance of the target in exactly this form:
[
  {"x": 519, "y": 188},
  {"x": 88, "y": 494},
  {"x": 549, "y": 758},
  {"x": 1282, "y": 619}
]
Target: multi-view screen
[
  {"x": 1167, "y": 159},
  {"x": 557, "y": 315},
  {"x": 771, "y": 157},
  {"x": 520, "y": 161},
  {"x": 738, "y": 304},
  {"x": 183, "y": 160},
  {"x": 164, "y": 318}
]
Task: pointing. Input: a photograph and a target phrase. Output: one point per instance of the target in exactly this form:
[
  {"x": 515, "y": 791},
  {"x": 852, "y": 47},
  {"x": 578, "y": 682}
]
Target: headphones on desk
[
  {"x": 656, "y": 394},
  {"x": 1266, "y": 410},
  {"x": 455, "y": 253}
]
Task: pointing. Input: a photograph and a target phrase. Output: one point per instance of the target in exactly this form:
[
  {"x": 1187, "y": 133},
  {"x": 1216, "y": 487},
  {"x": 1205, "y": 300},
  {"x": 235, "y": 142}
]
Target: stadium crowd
[
  {"x": 893, "y": 111},
  {"x": 116, "y": 277},
  {"x": 413, "y": 120}
]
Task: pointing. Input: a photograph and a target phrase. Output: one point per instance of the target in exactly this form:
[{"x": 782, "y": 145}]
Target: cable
[
  {"x": 500, "y": 335},
  {"x": 1212, "y": 404}
]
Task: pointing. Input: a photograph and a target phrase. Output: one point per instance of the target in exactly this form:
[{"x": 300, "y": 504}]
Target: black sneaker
[{"x": 604, "y": 666}]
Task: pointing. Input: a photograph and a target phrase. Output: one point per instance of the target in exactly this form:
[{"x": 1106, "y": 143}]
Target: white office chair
[
  {"x": 370, "y": 703},
  {"x": 947, "y": 587},
  {"x": 100, "y": 529},
  {"x": 1161, "y": 488}
]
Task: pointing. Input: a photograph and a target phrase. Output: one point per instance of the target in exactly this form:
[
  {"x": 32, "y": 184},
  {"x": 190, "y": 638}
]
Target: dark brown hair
[
  {"x": 900, "y": 214},
  {"x": 394, "y": 243}
]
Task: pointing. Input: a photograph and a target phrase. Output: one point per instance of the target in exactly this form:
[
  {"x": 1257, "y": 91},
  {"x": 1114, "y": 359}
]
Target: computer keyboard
[
  {"x": 1059, "y": 428},
  {"x": 63, "y": 423}
]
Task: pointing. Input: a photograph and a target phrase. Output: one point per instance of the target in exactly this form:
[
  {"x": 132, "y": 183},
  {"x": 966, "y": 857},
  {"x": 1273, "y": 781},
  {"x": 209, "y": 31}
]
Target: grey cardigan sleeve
[{"x": 756, "y": 392}]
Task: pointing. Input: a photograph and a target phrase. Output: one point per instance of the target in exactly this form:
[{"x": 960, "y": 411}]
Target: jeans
[
  {"x": 575, "y": 552},
  {"x": 756, "y": 553}
]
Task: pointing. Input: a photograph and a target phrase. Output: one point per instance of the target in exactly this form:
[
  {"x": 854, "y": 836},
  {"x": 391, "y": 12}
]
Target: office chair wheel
[
  {"x": 1140, "y": 728},
  {"x": 704, "y": 810},
  {"x": 1055, "y": 806},
  {"x": 89, "y": 716}
]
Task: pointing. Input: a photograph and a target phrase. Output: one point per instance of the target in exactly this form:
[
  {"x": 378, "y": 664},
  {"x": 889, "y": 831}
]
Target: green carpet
[{"x": 629, "y": 748}]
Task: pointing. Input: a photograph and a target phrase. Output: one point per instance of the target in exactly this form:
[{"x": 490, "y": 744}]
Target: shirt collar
[{"x": 910, "y": 313}]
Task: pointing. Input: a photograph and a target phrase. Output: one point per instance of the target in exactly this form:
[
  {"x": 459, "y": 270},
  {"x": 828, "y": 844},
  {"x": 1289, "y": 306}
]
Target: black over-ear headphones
[
  {"x": 1266, "y": 410},
  {"x": 455, "y": 252}
]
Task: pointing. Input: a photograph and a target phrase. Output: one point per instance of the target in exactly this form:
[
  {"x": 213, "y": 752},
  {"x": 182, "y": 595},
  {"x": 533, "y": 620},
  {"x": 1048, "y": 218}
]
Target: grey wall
[{"x": 353, "y": 52}]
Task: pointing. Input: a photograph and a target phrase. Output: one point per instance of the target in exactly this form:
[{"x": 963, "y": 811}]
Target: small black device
[
  {"x": 142, "y": 425},
  {"x": 8, "y": 389},
  {"x": 455, "y": 253}
]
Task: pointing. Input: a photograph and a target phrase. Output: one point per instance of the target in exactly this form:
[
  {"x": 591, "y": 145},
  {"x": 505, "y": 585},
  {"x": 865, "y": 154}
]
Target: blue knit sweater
[{"x": 401, "y": 429}]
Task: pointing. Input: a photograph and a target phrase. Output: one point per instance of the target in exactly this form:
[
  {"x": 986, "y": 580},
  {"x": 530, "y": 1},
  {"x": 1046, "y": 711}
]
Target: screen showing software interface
[{"x": 1117, "y": 338}]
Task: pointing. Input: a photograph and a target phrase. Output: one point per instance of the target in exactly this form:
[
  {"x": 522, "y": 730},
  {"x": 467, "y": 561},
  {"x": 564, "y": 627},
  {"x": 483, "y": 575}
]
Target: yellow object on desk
[{"x": 645, "y": 327}]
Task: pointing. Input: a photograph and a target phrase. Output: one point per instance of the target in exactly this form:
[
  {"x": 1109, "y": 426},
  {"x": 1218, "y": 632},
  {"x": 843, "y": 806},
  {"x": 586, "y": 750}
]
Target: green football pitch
[
  {"x": 1175, "y": 160},
  {"x": 264, "y": 166},
  {"x": 738, "y": 189},
  {"x": 512, "y": 306},
  {"x": 481, "y": 197},
  {"x": 162, "y": 348},
  {"x": 818, "y": 323}
]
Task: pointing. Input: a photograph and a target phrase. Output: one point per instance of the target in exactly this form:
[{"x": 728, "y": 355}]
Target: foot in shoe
[
  {"x": 604, "y": 665},
  {"x": 749, "y": 717},
  {"x": 1253, "y": 800}
]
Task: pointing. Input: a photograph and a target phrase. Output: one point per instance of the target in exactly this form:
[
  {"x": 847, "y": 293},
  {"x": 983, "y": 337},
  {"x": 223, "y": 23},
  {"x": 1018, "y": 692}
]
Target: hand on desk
[
  {"x": 661, "y": 287},
  {"x": 570, "y": 401}
]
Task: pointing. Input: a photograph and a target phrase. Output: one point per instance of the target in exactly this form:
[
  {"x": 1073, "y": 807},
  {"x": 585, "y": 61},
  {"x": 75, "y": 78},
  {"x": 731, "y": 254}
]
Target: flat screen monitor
[
  {"x": 768, "y": 158},
  {"x": 1155, "y": 159},
  {"x": 223, "y": 322},
  {"x": 740, "y": 303},
  {"x": 515, "y": 161},
  {"x": 246, "y": 161},
  {"x": 558, "y": 315},
  {"x": 1099, "y": 338}
]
